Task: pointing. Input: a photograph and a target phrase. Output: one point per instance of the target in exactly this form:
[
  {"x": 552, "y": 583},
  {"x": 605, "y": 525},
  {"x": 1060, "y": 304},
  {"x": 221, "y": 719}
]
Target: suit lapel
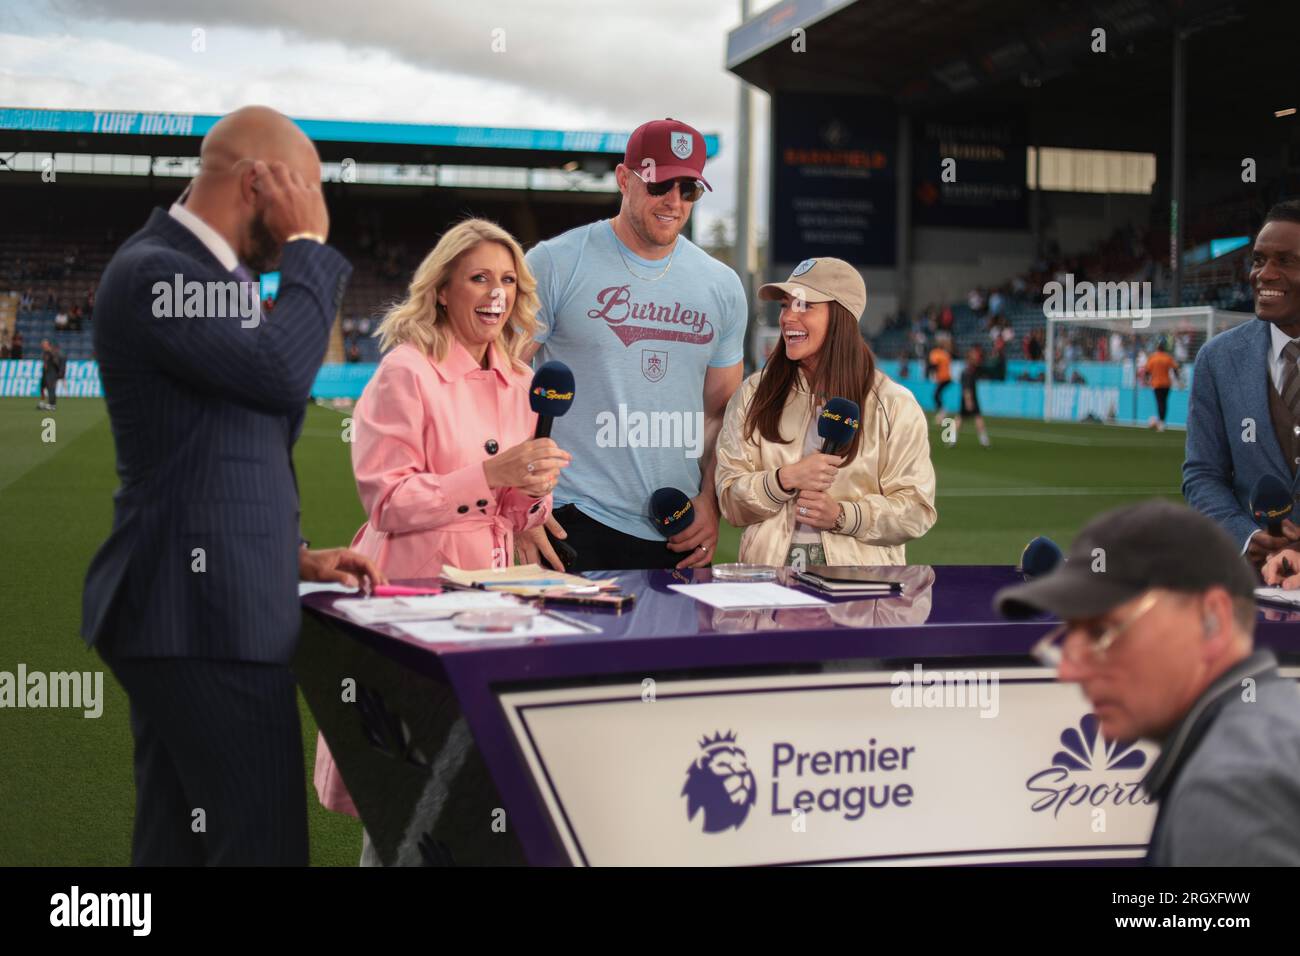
[
  {"x": 1250, "y": 367},
  {"x": 162, "y": 223}
]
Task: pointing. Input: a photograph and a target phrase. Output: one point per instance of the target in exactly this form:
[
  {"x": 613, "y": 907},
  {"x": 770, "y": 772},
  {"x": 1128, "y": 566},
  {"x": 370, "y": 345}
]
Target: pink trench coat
[{"x": 421, "y": 432}]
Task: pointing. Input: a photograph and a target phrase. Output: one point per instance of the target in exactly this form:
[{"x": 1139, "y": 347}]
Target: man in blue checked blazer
[
  {"x": 1243, "y": 419},
  {"x": 192, "y": 601}
]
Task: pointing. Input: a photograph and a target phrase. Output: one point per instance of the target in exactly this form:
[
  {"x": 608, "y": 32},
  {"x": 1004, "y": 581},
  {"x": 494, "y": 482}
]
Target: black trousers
[
  {"x": 938, "y": 394},
  {"x": 221, "y": 737},
  {"x": 50, "y": 390},
  {"x": 1162, "y": 402},
  {"x": 602, "y": 548}
]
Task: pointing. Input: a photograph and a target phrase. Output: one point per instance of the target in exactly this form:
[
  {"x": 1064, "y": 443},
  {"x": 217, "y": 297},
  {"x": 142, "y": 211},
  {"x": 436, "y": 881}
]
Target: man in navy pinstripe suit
[{"x": 192, "y": 601}]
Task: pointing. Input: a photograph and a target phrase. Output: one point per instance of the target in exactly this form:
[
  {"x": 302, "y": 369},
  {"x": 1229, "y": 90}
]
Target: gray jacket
[{"x": 1228, "y": 776}]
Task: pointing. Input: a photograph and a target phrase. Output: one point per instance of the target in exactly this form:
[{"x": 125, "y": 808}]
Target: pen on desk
[
  {"x": 399, "y": 590},
  {"x": 522, "y": 583}
]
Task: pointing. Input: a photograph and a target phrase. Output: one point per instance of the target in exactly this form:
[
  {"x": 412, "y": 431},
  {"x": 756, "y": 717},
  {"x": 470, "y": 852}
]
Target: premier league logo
[
  {"x": 654, "y": 365},
  {"x": 682, "y": 145},
  {"x": 720, "y": 783}
]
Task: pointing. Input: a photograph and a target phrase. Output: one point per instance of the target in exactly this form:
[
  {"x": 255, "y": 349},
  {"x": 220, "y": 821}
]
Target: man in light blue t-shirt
[{"x": 653, "y": 328}]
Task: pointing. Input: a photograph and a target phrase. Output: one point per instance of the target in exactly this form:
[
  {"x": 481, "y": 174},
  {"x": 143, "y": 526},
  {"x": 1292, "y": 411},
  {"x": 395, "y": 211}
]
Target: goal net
[{"x": 1093, "y": 368}]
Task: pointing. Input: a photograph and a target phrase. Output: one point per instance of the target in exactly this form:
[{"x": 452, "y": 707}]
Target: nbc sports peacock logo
[
  {"x": 552, "y": 394},
  {"x": 676, "y": 515},
  {"x": 719, "y": 783},
  {"x": 1090, "y": 771}
]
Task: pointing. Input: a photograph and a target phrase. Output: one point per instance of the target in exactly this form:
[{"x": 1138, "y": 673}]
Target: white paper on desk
[
  {"x": 453, "y": 602},
  {"x": 730, "y": 596},
  {"x": 422, "y": 607},
  {"x": 1279, "y": 596},
  {"x": 311, "y": 587},
  {"x": 445, "y": 632}
]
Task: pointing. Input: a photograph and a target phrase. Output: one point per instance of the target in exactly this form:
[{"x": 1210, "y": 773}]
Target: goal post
[{"x": 1185, "y": 329}]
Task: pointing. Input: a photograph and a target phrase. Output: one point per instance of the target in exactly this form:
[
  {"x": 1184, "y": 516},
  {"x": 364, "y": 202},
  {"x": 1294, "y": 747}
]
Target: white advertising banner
[
  {"x": 21, "y": 378},
  {"x": 921, "y": 767}
]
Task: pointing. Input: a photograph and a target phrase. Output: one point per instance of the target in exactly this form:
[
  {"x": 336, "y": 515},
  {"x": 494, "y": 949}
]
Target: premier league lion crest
[{"x": 720, "y": 783}]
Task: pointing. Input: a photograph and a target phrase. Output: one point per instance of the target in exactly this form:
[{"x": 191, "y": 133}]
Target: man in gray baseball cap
[{"x": 1158, "y": 615}]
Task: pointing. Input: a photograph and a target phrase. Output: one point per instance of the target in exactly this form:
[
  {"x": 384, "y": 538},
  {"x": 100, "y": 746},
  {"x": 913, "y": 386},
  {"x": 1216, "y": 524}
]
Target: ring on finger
[{"x": 529, "y": 467}]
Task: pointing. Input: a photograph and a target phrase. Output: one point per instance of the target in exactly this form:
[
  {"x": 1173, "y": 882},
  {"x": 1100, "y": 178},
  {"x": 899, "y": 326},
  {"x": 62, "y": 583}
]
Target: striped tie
[{"x": 1291, "y": 378}]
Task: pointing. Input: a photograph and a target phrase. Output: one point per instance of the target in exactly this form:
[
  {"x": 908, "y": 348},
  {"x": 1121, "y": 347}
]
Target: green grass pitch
[{"x": 65, "y": 781}]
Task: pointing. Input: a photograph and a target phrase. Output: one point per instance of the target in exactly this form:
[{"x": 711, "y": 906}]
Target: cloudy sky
[{"x": 567, "y": 64}]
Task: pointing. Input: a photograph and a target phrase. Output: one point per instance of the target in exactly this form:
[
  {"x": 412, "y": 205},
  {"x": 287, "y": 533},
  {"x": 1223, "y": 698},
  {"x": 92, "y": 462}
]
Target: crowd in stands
[
  {"x": 10, "y": 346},
  {"x": 57, "y": 265},
  {"x": 1007, "y": 321},
  {"x": 53, "y": 262},
  {"x": 58, "y": 296}
]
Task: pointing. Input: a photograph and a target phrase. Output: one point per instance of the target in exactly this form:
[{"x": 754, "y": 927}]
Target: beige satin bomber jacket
[{"x": 887, "y": 490}]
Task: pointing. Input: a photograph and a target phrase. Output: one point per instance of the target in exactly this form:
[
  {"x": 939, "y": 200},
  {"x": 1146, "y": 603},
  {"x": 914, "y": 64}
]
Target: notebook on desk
[{"x": 846, "y": 579}]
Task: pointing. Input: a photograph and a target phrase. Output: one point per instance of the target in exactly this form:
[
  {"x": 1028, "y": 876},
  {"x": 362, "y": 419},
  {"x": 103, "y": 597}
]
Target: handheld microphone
[
  {"x": 1270, "y": 502},
  {"x": 671, "y": 510},
  {"x": 550, "y": 395},
  {"x": 838, "y": 424},
  {"x": 1041, "y": 556}
]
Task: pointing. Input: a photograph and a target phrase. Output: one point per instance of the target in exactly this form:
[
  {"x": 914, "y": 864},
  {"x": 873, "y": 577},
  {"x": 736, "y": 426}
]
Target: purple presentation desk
[{"x": 911, "y": 729}]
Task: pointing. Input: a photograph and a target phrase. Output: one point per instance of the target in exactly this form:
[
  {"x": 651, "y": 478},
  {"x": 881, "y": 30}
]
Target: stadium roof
[
  {"x": 1004, "y": 54},
  {"x": 155, "y": 133}
]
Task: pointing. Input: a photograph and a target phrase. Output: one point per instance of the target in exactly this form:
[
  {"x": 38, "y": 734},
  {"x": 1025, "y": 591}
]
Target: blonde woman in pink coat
[{"x": 443, "y": 453}]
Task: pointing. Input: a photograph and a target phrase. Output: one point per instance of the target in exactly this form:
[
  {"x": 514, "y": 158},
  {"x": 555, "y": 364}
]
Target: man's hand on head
[{"x": 289, "y": 205}]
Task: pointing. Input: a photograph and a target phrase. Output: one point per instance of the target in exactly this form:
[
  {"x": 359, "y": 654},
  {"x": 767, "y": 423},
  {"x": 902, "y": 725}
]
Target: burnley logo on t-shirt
[
  {"x": 654, "y": 364},
  {"x": 633, "y": 321}
]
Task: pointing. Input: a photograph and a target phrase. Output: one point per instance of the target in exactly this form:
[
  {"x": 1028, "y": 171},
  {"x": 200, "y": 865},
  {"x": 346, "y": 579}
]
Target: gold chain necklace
[{"x": 618, "y": 244}]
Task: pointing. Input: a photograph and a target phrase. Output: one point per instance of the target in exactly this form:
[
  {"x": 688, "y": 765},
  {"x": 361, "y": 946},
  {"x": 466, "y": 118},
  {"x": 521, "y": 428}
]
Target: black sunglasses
[{"x": 691, "y": 189}]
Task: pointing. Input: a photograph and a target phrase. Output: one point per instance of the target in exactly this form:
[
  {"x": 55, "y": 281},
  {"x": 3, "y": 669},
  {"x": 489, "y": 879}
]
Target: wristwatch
[{"x": 838, "y": 526}]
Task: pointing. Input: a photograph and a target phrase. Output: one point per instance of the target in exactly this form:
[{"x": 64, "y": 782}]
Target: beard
[{"x": 262, "y": 250}]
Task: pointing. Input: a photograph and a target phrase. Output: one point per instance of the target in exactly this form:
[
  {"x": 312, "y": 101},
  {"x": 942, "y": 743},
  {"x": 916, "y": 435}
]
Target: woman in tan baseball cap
[{"x": 798, "y": 505}]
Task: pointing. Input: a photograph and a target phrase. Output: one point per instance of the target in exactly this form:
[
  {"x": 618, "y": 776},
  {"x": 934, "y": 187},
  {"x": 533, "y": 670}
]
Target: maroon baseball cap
[{"x": 676, "y": 149}]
